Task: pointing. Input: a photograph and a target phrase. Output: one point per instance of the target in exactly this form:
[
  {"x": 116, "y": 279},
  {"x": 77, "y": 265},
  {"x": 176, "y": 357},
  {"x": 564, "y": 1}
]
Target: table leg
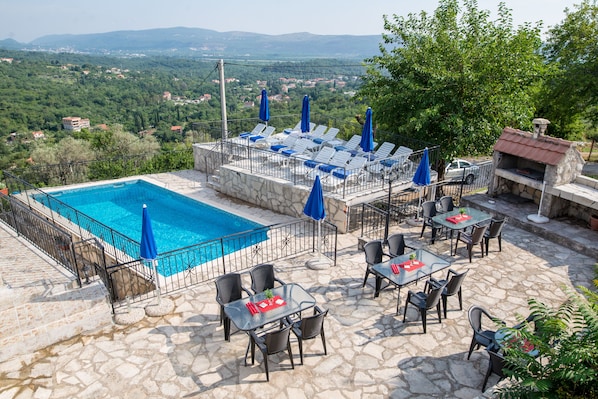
[
  {"x": 247, "y": 350},
  {"x": 378, "y": 284},
  {"x": 398, "y": 300}
]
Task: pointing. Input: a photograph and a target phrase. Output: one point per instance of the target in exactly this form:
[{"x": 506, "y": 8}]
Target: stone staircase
[{"x": 40, "y": 303}]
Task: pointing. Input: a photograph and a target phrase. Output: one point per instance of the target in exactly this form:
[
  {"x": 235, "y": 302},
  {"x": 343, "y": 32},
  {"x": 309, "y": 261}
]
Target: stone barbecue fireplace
[{"x": 523, "y": 161}]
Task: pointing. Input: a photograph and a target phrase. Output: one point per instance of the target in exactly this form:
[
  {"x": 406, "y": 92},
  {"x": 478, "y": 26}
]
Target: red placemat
[
  {"x": 269, "y": 304},
  {"x": 409, "y": 265},
  {"x": 458, "y": 218}
]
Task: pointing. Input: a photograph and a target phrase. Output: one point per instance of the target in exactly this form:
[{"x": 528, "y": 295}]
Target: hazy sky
[{"x": 25, "y": 20}]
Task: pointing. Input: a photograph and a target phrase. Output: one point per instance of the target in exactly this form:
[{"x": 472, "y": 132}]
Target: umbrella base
[
  {"x": 538, "y": 218},
  {"x": 162, "y": 308},
  {"x": 319, "y": 263},
  {"x": 128, "y": 316}
]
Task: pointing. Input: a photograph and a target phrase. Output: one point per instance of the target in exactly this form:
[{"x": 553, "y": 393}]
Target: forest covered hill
[{"x": 204, "y": 43}]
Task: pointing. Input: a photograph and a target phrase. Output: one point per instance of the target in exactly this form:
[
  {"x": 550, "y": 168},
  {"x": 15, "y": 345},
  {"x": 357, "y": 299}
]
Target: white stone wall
[{"x": 277, "y": 195}]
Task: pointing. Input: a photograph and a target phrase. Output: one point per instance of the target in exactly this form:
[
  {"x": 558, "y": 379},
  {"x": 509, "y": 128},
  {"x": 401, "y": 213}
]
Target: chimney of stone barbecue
[{"x": 540, "y": 125}]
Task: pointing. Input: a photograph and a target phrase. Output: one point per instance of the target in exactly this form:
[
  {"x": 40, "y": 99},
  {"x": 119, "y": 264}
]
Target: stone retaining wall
[{"x": 277, "y": 195}]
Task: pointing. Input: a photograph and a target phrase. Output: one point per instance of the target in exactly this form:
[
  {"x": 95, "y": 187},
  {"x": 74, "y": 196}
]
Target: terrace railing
[
  {"x": 88, "y": 248},
  {"x": 186, "y": 267},
  {"x": 261, "y": 160}
]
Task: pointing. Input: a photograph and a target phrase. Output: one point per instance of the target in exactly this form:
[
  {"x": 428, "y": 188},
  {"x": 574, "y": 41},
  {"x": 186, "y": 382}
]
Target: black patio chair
[
  {"x": 446, "y": 204},
  {"x": 496, "y": 365},
  {"x": 309, "y": 328},
  {"x": 481, "y": 337},
  {"x": 373, "y": 254},
  {"x": 428, "y": 212},
  {"x": 396, "y": 245},
  {"x": 494, "y": 231},
  {"x": 228, "y": 289},
  {"x": 453, "y": 286},
  {"x": 425, "y": 300},
  {"x": 472, "y": 239},
  {"x": 271, "y": 343},
  {"x": 262, "y": 277}
]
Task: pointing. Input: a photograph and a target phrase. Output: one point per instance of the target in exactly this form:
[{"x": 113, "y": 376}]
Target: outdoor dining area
[{"x": 269, "y": 313}]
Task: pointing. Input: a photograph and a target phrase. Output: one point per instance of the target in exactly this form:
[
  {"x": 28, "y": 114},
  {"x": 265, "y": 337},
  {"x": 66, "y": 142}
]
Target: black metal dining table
[
  {"x": 476, "y": 217},
  {"x": 296, "y": 299},
  {"x": 383, "y": 271}
]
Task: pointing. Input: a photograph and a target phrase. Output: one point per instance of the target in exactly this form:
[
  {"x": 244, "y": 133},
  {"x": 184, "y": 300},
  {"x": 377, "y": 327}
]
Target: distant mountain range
[{"x": 204, "y": 43}]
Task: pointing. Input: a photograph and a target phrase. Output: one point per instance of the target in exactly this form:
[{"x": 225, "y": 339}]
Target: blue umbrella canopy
[
  {"x": 305, "y": 115},
  {"x": 314, "y": 207},
  {"x": 264, "y": 107},
  {"x": 422, "y": 174},
  {"x": 367, "y": 134},
  {"x": 147, "y": 249}
]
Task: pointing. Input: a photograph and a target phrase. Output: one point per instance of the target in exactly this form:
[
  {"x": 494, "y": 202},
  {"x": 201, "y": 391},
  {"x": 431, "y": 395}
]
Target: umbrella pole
[
  {"x": 320, "y": 238},
  {"x": 155, "y": 267}
]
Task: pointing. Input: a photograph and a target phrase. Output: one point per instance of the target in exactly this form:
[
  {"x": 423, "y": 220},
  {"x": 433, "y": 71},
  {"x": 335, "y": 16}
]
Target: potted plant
[
  {"x": 3, "y": 189},
  {"x": 412, "y": 257},
  {"x": 462, "y": 211},
  {"x": 269, "y": 295}
]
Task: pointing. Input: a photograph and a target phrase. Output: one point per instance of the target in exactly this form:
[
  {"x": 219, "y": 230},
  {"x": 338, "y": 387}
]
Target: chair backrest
[
  {"x": 429, "y": 209},
  {"x": 324, "y": 155},
  {"x": 340, "y": 158},
  {"x": 454, "y": 284},
  {"x": 277, "y": 341},
  {"x": 384, "y": 150},
  {"x": 353, "y": 142},
  {"x": 228, "y": 288},
  {"x": 373, "y": 252},
  {"x": 475, "y": 317},
  {"x": 434, "y": 296},
  {"x": 312, "y": 326},
  {"x": 318, "y": 131},
  {"x": 446, "y": 203},
  {"x": 258, "y": 129},
  {"x": 478, "y": 234},
  {"x": 396, "y": 244},
  {"x": 299, "y": 147},
  {"x": 262, "y": 277},
  {"x": 330, "y": 134},
  {"x": 495, "y": 228}
]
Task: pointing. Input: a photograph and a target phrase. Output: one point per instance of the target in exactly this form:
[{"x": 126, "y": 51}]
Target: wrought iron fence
[
  {"x": 375, "y": 218},
  {"x": 344, "y": 182},
  {"x": 185, "y": 267},
  {"x": 90, "y": 248},
  {"x": 52, "y": 240}
]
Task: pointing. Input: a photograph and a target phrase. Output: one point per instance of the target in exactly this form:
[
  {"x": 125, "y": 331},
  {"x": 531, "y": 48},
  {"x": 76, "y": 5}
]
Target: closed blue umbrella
[
  {"x": 264, "y": 107},
  {"x": 305, "y": 115},
  {"x": 314, "y": 207},
  {"x": 422, "y": 175},
  {"x": 367, "y": 133},
  {"x": 148, "y": 249}
]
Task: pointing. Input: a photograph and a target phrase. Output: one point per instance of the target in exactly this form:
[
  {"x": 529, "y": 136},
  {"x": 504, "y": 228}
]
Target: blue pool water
[{"x": 177, "y": 221}]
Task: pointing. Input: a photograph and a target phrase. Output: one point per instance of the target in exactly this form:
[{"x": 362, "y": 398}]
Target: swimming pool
[{"x": 177, "y": 221}]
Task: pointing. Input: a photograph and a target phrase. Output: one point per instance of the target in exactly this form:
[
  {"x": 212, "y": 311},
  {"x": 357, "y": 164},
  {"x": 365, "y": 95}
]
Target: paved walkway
[{"x": 371, "y": 352}]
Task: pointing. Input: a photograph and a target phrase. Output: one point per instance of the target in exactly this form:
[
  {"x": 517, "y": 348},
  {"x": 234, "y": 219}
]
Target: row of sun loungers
[{"x": 319, "y": 153}]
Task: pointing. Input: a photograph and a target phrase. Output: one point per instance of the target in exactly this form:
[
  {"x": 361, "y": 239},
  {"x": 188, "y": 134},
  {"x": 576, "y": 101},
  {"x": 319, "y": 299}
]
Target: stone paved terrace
[{"x": 371, "y": 353}]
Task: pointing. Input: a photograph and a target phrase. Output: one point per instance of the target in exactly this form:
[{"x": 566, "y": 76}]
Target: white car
[{"x": 461, "y": 170}]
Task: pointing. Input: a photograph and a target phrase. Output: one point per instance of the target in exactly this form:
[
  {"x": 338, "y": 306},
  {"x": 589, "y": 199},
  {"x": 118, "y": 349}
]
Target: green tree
[
  {"x": 455, "y": 77},
  {"x": 571, "y": 98}
]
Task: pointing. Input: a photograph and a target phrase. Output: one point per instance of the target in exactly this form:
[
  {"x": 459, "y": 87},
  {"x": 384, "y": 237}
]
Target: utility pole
[{"x": 223, "y": 101}]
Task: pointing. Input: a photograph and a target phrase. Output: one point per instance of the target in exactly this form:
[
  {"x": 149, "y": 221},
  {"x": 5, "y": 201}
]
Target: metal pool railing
[
  {"x": 189, "y": 266},
  {"x": 88, "y": 248}
]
